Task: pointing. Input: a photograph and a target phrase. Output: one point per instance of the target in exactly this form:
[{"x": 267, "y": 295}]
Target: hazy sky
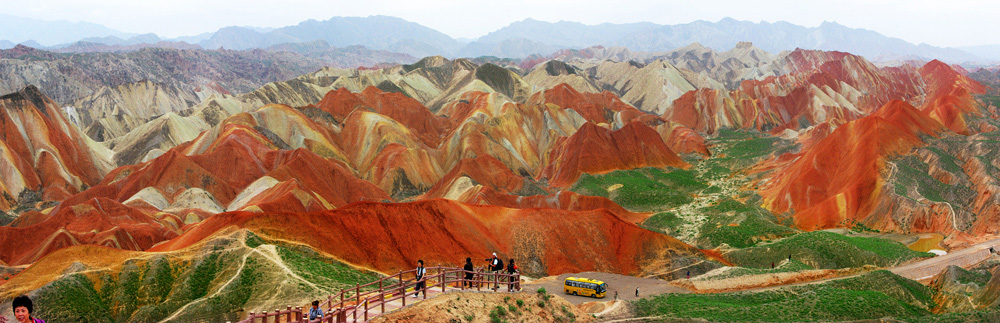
[{"x": 936, "y": 22}]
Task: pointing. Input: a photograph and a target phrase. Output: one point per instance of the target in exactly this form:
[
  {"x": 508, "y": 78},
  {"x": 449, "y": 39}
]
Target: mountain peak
[{"x": 831, "y": 24}]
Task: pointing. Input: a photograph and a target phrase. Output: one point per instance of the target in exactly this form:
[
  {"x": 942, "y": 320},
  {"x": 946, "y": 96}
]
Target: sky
[{"x": 935, "y": 22}]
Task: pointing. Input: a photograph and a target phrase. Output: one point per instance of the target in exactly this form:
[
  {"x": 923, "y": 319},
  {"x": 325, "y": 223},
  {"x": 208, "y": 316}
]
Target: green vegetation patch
[
  {"x": 72, "y": 298},
  {"x": 739, "y": 225},
  {"x": 913, "y": 173},
  {"x": 819, "y": 302},
  {"x": 979, "y": 316},
  {"x": 826, "y": 250},
  {"x": 737, "y": 149},
  {"x": 782, "y": 267},
  {"x": 663, "y": 221},
  {"x": 644, "y": 189},
  {"x": 323, "y": 271}
]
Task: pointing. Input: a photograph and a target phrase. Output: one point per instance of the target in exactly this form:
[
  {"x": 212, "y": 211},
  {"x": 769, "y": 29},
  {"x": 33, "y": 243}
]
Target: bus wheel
[{"x": 574, "y": 293}]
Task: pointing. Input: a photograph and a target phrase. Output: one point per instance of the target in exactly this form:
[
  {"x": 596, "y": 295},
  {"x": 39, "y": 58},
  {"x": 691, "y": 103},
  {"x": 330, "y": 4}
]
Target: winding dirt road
[{"x": 925, "y": 269}]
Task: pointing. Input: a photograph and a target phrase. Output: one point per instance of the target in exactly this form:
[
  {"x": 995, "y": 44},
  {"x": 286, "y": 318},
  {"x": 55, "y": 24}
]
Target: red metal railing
[{"x": 356, "y": 304}]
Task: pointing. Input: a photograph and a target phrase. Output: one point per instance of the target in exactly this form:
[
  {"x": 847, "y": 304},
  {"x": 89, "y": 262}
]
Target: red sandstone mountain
[
  {"x": 823, "y": 87},
  {"x": 391, "y": 236},
  {"x": 839, "y": 180},
  {"x": 96, "y": 221},
  {"x": 234, "y": 158},
  {"x": 594, "y": 149}
]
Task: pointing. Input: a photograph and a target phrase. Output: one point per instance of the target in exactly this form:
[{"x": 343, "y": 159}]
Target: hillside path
[{"x": 925, "y": 269}]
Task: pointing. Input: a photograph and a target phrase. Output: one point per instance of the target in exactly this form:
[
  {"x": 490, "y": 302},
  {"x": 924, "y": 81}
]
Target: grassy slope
[
  {"x": 645, "y": 189},
  {"x": 216, "y": 284},
  {"x": 847, "y": 299},
  {"x": 826, "y": 250}
]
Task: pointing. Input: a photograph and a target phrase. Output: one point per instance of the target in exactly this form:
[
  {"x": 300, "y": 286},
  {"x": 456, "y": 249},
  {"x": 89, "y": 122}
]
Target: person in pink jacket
[{"x": 23, "y": 309}]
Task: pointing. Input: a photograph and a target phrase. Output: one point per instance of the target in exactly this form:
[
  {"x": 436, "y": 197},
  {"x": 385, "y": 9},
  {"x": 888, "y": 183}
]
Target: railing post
[
  {"x": 441, "y": 277},
  {"x": 357, "y": 302},
  {"x": 381, "y": 294},
  {"x": 264, "y": 319},
  {"x": 402, "y": 288},
  {"x": 298, "y": 313},
  {"x": 288, "y": 316},
  {"x": 252, "y": 319},
  {"x": 329, "y": 303},
  {"x": 366, "y": 309},
  {"x": 478, "y": 279}
]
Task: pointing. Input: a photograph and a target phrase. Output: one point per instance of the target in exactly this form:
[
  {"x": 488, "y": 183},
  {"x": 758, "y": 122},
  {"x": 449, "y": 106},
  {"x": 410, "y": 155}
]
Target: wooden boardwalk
[{"x": 366, "y": 302}]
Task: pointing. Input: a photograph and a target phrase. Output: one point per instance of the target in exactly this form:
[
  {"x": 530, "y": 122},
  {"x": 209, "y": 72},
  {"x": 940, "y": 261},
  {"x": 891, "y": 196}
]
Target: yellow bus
[{"x": 585, "y": 287}]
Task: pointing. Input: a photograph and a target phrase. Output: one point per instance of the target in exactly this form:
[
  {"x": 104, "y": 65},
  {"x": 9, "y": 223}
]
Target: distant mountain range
[
  {"x": 20, "y": 30},
  {"x": 518, "y": 40}
]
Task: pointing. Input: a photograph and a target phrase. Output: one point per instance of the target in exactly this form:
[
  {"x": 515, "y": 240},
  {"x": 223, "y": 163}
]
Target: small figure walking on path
[
  {"x": 789, "y": 257},
  {"x": 616, "y": 295},
  {"x": 689, "y": 274},
  {"x": 772, "y": 265},
  {"x": 637, "y": 292}
]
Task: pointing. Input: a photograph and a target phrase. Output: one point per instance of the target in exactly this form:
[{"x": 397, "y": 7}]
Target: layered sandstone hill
[
  {"x": 442, "y": 86},
  {"x": 71, "y": 77},
  {"x": 828, "y": 86},
  {"x": 391, "y": 236},
  {"x": 843, "y": 178},
  {"x": 44, "y": 156},
  {"x": 96, "y": 221},
  {"x": 371, "y": 169},
  {"x": 251, "y": 160}
]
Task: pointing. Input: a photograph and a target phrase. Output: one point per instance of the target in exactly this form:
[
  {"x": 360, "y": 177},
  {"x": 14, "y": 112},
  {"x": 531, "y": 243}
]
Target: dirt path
[
  {"x": 624, "y": 285},
  {"x": 270, "y": 255},
  {"x": 964, "y": 258},
  {"x": 921, "y": 270}
]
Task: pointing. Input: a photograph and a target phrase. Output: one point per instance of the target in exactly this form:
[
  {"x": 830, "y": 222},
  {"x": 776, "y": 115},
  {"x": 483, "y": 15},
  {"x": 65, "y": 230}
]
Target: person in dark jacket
[
  {"x": 512, "y": 269},
  {"x": 468, "y": 272},
  {"x": 421, "y": 282},
  {"x": 23, "y": 309}
]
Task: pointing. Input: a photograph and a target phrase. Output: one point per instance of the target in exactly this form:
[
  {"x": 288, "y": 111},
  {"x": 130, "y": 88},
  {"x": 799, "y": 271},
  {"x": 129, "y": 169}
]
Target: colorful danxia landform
[{"x": 595, "y": 160}]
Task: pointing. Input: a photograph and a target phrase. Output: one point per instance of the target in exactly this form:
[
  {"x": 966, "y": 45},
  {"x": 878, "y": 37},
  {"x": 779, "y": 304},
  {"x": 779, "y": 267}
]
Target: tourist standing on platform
[
  {"x": 511, "y": 270},
  {"x": 496, "y": 266},
  {"x": 315, "y": 312},
  {"x": 421, "y": 282},
  {"x": 468, "y": 272}
]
